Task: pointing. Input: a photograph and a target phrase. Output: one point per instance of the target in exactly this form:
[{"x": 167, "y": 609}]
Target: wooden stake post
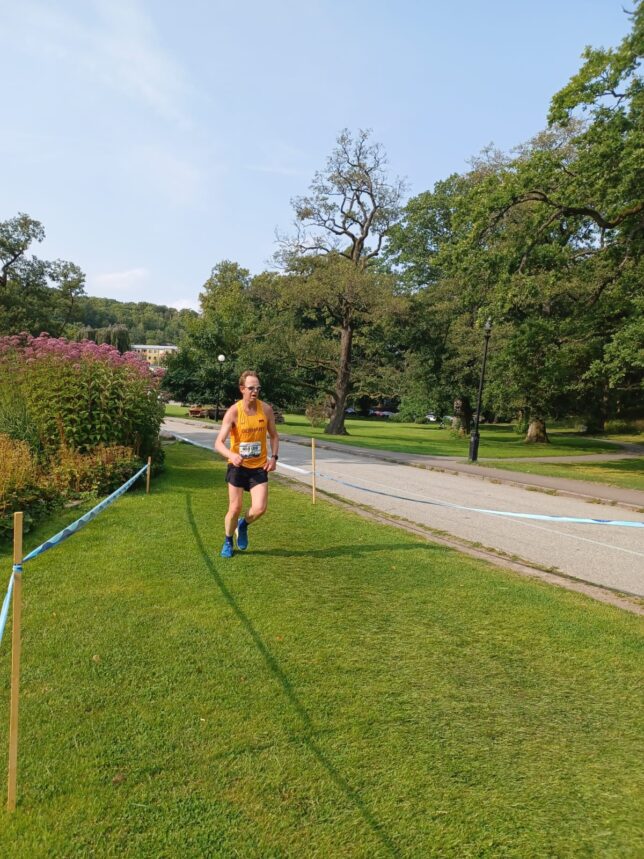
[
  {"x": 147, "y": 476},
  {"x": 313, "y": 469},
  {"x": 15, "y": 665}
]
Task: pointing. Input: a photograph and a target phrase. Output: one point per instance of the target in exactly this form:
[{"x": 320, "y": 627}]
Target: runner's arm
[
  {"x": 271, "y": 463},
  {"x": 222, "y": 436}
]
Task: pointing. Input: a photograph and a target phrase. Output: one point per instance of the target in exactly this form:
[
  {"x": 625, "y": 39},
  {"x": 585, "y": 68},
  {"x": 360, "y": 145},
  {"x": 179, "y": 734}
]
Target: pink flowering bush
[{"x": 81, "y": 395}]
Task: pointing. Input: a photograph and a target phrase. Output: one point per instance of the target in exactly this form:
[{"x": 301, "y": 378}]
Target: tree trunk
[
  {"x": 596, "y": 418},
  {"x": 462, "y": 420},
  {"x": 336, "y": 423},
  {"x": 537, "y": 432}
]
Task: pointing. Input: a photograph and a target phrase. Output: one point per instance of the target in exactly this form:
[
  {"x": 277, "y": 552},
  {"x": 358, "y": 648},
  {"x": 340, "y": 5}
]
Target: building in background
[{"x": 153, "y": 354}]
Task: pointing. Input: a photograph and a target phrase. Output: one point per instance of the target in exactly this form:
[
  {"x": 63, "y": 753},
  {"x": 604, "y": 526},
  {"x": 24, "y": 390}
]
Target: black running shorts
[{"x": 245, "y": 478}]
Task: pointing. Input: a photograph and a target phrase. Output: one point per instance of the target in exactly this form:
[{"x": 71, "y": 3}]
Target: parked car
[
  {"x": 350, "y": 411},
  {"x": 431, "y": 417},
  {"x": 382, "y": 413}
]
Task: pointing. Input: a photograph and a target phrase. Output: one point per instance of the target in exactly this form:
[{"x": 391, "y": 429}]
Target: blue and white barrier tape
[
  {"x": 5, "y": 604},
  {"x": 79, "y": 523},
  {"x": 209, "y": 447},
  {"x": 543, "y": 517},
  {"x": 58, "y": 538},
  {"x": 540, "y": 516}
]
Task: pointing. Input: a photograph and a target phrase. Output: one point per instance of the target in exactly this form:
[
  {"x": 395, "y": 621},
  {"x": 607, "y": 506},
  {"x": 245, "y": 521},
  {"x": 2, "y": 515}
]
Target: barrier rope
[
  {"x": 542, "y": 517},
  {"x": 539, "y": 516},
  {"x": 60, "y": 537},
  {"x": 17, "y": 568},
  {"x": 80, "y": 523}
]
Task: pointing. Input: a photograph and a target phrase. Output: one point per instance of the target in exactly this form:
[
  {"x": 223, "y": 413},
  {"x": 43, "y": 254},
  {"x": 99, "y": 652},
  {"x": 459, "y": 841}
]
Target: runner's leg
[
  {"x": 258, "y": 502},
  {"x": 235, "y": 500}
]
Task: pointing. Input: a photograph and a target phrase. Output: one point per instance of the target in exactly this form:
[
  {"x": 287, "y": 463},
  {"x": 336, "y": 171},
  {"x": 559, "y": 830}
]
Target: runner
[{"x": 247, "y": 422}]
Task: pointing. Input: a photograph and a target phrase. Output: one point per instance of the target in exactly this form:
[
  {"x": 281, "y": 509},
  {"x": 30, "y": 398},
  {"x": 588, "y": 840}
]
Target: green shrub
[
  {"x": 16, "y": 422},
  {"x": 626, "y": 427},
  {"x": 80, "y": 395},
  {"x": 36, "y": 491},
  {"x": 99, "y": 471},
  {"x": 317, "y": 414},
  {"x": 21, "y": 486}
]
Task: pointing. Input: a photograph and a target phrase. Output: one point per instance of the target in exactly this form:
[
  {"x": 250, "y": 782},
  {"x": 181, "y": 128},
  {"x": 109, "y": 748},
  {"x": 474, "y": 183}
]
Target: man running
[{"x": 247, "y": 422}]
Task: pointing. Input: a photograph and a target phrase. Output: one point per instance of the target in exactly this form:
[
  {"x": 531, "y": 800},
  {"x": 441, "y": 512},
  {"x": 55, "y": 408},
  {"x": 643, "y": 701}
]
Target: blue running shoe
[
  {"x": 242, "y": 535},
  {"x": 227, "y": 550}
]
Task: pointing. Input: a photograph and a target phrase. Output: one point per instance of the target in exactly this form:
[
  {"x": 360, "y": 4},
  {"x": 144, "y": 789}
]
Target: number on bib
[{"x": 248, "y": 449}]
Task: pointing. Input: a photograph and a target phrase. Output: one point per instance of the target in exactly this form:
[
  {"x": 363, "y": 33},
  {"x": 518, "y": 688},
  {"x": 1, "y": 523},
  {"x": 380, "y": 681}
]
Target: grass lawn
[
  {"x": 628, "y": 473},
  {"x": 431, "y": 440},
  {"x": 343, "y": 689}
]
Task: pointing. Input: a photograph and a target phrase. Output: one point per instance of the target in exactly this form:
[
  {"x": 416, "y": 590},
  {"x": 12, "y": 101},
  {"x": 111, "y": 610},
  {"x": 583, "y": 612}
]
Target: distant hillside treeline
[{"x": 146, "y": 322}]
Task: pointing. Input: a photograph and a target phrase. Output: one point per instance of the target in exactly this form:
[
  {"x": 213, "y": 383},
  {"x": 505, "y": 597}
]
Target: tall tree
[
  {"x": 319, "y": 298},
  {"x": 35, "y": 295},
  {"x": 548, "y": 241},
  {"x": 348, "y": 213}
]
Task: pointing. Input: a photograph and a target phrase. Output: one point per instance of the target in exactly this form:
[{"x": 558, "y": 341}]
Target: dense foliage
[
  {"x": 81, "y": 395},
  {"x": 144, "y": 322},
  {"x": 75, "y": 418},
  {"x": 547, "y": 241},
  {"x": 35, "y": 488},
  {"x": 35, "y": 294},
  {"x": 41, "y": 295}
]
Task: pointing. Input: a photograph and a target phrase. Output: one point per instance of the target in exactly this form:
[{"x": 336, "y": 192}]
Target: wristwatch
[{"x": 275, "y": 457}]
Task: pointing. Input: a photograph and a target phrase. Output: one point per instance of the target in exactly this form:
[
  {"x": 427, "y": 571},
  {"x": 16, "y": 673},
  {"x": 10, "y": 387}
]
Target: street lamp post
[
  {"x": 474, "y": 438},
  {"x": 221, "y": 359}
]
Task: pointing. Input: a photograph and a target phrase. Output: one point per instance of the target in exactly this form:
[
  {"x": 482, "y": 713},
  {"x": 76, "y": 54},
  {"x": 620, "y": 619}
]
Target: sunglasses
[{"x": 253, "y": 388}]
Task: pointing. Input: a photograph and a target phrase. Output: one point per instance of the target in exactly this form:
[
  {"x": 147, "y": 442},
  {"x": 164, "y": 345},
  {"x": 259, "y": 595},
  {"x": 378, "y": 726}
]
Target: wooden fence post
[
  {"x": 147, "y": 476},
  {"x": 15, "y": 664}
]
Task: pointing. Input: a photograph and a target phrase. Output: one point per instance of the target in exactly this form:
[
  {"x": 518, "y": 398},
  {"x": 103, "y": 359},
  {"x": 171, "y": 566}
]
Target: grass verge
[
  {"x": 430, "y": 440},
  {"x": 627, "y": 473},
  {"x": 343, "y": 689},
  {"x": 499, "y": 440}
]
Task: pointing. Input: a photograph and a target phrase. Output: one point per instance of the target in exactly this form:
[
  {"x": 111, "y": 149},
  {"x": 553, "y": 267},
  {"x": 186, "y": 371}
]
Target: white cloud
[
  {"x": 119, "y": 282},
  {"x": 186, "y": 305},
  {"x": 118, "y": 47}
]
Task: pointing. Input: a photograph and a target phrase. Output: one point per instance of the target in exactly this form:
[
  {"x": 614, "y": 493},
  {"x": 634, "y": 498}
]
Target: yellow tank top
[{"x": 248, "y": 436}]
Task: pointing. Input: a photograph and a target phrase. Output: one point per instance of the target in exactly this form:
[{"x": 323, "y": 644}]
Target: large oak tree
[{"x": 347, "y": 215}]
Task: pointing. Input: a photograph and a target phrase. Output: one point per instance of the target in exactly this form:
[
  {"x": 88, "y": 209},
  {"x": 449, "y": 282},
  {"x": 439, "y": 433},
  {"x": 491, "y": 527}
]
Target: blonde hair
[{"x": 245, "y": 375}]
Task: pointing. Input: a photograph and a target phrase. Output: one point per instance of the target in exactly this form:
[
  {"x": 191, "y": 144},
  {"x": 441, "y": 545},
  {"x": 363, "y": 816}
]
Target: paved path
[
  {"x": 584, "y": 489},
  {"x": 607, "y": 555}
]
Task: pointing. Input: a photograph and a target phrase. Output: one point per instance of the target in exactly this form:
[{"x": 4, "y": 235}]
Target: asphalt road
[{"x": 606, "y": 555}]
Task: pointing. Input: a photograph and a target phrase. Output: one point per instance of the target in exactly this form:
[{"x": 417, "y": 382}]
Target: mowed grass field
[
  {"x": 628, "y": 473},
  {"x": 343, "y": 689},
  {"x": 498, "y": 440}
]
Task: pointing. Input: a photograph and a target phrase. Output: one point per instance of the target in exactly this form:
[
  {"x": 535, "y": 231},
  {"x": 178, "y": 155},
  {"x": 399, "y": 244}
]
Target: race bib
[{"x": 248, "y": 449}]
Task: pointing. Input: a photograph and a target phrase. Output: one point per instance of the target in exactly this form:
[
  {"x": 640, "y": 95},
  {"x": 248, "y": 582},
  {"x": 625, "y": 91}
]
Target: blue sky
[{"x": 154, "y": 139}]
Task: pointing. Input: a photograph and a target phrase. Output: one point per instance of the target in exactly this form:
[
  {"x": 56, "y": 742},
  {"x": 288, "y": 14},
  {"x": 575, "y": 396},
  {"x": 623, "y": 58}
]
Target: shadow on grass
[{"x": 276, "y": 670}]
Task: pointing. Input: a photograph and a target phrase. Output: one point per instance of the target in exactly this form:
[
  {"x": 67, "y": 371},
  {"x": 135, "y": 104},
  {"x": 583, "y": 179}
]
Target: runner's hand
[
  {"x": 236, "y": 459},
  {"x": 270, "y": 465}
]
